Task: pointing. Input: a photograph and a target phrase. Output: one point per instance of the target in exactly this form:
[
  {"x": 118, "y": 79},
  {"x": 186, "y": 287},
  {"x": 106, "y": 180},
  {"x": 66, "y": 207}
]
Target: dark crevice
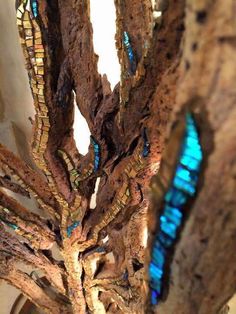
[
  {"x": 201, "y": 16},
  {"x": 132, "y": 146},
  {"x": 29, "y": 248},
  {"x": 136, "y": 265},
  {"x": 140, "y": 191}
]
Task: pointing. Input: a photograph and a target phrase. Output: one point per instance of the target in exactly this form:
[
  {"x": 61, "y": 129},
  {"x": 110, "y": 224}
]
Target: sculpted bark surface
[{"x": 181, "y": 63}]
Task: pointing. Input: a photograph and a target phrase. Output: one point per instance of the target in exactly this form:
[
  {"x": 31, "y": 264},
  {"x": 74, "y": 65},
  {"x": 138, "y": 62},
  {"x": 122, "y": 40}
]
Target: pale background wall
[{"x": 16, "y": 101}]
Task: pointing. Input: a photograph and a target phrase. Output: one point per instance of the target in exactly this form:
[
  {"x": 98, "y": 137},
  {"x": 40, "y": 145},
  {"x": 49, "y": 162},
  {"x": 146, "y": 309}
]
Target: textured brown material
[{"x": 185, "y": 62}]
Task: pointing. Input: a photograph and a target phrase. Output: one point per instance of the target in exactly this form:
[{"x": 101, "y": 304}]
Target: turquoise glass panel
[
  {"x": 182, "y": 187},
  {"x": 158, "y": 255},
  {"x": 168, "y": 227},
  {"x": 173, "y": 214},
  {"x": 165, "y": 239},
  {"x": 154, "y": 297},
  {"x": 175, "y": 197},
  {"x": 155, "y": 272},
  {"x": 190, "y": 162}
]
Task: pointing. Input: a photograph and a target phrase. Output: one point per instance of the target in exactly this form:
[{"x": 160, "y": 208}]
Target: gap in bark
[
  {"x": 81, "y": 131},
  {"x": 93, "y": 201},
  {"x": 28, "y": 269},
  {"x": 110, "y": 257},
  {"x": 56, "y": 254},
  {"x": 105, "y": 240},
  {"x": 145, "y": 236},
  {"x": 232, "y": 304},
  {"x": 104, "y": 30},
  {"x": 156, "y": 13},
  {"x": 25, "y": 201}
]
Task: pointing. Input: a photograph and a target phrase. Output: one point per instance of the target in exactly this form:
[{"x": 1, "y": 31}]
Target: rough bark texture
[
  {"x": 203, "y": 269},
  {"x": 182, "y": 62}
]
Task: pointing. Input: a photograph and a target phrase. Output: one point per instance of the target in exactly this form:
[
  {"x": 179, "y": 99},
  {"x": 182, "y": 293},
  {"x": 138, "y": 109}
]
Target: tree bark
[
  {"x": 181, "y": 63},
  {"x": 202, "y": 272}
]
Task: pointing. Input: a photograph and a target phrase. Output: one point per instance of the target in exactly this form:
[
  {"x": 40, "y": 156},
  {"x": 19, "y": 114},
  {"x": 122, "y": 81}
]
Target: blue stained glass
[
  {"x": 13, "y": 226},
  {"x": 97, "y": 156},
  {"x": 129, "y": 51},
  {"x": 71, "y": 228},
  {"x": 183, "y": 173},
  {"x": 168, "y": 227},
  {"x": 190, "y": 163},
  {"x": 190, "y": 122},
  {"x": 173, "y": 214},
  {"x": 155, "y": 283},
  {"x": 183, "y": 185},
  {"x": 155, "y": 271},
  {"x": 158, "y": 255},
  {"x": 34, "y": 7},
  {"x": 145, "y": 152},
  {"x": 126, "y": 38},
  {"x": 165, "y": 239},
  {"x": 191, "y": 128},
  {"x": 187, "y": 175},
  {"x": 154, "y": 297},
  {"x": 192, "y": 142},
  {"x": 195, "y": 153},
  {"x": 100, "y": 249},
  {"x": 146, "y": 145},
  {"x": 175, "y": 197}
]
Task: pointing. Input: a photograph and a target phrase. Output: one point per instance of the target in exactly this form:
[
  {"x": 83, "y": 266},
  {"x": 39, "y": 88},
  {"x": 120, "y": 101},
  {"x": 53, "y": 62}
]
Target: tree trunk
[{"x": 176, "y": 70}]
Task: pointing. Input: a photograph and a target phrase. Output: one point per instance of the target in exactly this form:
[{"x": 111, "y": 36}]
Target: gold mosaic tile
[
  {"x": 38, "y": 41},
  {"x": 39, "y": 61},
  {"x": 41, "y": 71},
  {"x": 36, "y": 26},
  {"x": 35, "y": 90},
  {"x": 29, "y": 42},
  {"x": 19, "y": 14},
  {"x": 28, "y": 32},
  {"x": 39, "y": 55},
  {"x": 26, "y": 16},
  {"x": 26, "y": 24},
  {"x": 40, "y": 81},
  {"x": 46, "y": 122},
  {"x": 41, "y": 98}
]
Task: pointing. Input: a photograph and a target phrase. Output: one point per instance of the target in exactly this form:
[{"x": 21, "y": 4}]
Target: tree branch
[
  {"x": 30, "y": 288},
  {"x": 77, "y": 39},
  {"x": 28, "y": 225},
  {"x": 23, "y": 253},
  {"x": 29, "y": 179}
]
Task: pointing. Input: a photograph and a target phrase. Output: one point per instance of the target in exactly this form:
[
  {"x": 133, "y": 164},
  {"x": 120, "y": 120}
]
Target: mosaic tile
[
  {"x": 182, "y": 187},
  {"x": 130, "y": 53}
]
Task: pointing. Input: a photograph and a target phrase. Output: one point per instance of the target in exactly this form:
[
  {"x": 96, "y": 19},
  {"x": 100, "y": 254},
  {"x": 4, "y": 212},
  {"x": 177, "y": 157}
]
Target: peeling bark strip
[{"x": 182, "y": 62}]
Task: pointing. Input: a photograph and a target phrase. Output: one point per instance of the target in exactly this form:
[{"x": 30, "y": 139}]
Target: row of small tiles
[
  {"x": 130, "y": 52},
  {"x": 146, "y": 144},
  {"x": 97, "y": 154},
  {"x": 27, "y": 235},
  {"x": 35, "y": 55},
  {"x": 182, "y": 187},
  {"x": 72, "y": 227}
]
